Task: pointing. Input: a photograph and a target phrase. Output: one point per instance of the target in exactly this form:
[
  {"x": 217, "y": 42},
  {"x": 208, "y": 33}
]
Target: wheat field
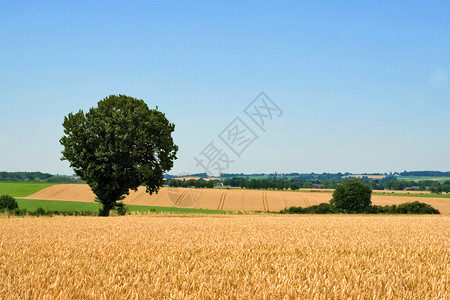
[{"x": 227, "y": 257}]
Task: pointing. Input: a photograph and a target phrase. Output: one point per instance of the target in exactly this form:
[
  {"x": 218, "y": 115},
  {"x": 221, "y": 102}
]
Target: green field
[
  {"x": 69, "y": 206},
  {"x": 388, "y": 194},
  {"x": 22, "y": 189},
  {"x": 419, "y": 178}
]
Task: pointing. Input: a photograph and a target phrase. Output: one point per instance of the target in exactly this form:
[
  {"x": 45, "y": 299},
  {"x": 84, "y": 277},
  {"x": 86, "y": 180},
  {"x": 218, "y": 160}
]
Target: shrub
[
  {"x": 416, "y": 207},
  {"x": 20, "y": 212},
  {"x": 8, "y": 202},
  {"x": 322, "y": 208},
  {"x": 293, "y": 210},
  {"x": 121, "y": 209},
  {"x": 41, "y": 212},
  {"x": 376, "y": 209}
]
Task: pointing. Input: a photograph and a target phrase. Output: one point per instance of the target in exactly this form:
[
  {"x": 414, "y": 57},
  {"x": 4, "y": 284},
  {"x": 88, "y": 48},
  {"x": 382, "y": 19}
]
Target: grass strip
[{"x": 69, "y": 206}]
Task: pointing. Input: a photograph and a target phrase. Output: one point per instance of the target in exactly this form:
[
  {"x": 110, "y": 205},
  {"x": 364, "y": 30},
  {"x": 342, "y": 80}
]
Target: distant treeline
[
  {"x": 426, "y": 173},
  {"x": 388, "y": 183},
  {"x": 37, "y": 177},
  {"x": 201, "y": 183},
  {"x": 24, "y": 176},
  {"x": 312, "y": 176},
  {"x": 286, "y": 176},
  {"x": 277, "y": 184},
  {"x": 201, "y": 175},
  {"x": 293, "y": 183}
]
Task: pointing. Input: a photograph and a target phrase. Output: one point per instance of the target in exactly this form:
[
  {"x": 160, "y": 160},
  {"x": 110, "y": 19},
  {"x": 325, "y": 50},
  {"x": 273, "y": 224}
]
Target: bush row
[
  {"x": 46, "y": 212},
  {"x": 415, "y": 207}
]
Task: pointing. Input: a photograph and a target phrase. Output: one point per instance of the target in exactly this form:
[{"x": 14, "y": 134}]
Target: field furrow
[{"x": 180, "y": 198}]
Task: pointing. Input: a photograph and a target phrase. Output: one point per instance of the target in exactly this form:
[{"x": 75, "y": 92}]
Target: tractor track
[
  {"x": 56, "y": 193},
  {"x": 222, "y": 200},
  {"x": 138, "y": 197},
  {"x": 180, "y": 198},
  {"x": 304, "y": 200},
  {"x": 265, "y": 201}
]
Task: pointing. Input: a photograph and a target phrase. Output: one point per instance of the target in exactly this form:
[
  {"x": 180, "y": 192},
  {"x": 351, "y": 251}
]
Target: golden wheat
[{"x": 247, "y": 257}]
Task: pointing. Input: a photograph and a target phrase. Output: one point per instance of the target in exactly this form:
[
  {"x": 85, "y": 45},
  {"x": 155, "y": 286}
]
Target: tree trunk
[{"x": 104, "y": 210}]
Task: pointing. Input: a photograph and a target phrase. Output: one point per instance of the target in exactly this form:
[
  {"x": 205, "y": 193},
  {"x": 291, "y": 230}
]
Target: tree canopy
[
  {"x": 117, "y": 146},
  {"x": 352, "y": 196},
  {"x": 8, "y": 202}
]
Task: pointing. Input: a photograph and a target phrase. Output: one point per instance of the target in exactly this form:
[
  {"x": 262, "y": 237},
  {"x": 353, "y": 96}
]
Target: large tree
[
  {"x": 117, "y": 146},
  {"x": 352, "y": 197}
]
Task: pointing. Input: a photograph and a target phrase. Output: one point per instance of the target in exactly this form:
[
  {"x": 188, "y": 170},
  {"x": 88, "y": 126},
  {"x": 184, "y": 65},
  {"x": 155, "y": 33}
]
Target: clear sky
[{"x": 363, "y": 87}]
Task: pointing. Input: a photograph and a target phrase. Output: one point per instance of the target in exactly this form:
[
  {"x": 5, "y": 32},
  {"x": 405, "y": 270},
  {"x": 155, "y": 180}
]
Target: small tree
[
  {"x": 436, "y": 188},
  {"x": 352, "y": 196},
  {"x": 117, "y": 146},
  {"x": 8, "y": 202}
]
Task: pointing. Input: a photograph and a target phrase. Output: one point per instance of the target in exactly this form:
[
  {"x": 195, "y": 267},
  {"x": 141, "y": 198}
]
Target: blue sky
[{"x": 363, "y": 87}]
